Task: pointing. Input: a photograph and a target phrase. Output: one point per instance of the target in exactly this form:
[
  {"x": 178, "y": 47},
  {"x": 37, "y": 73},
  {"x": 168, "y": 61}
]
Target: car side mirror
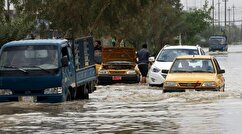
[
  {"x": 151, "y": 59},
  {"x": 165, "y": 71},
  {"x": 64, "y": 61},
  {"x": 221, "y": 71}
]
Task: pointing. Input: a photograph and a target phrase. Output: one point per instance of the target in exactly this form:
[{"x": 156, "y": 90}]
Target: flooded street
[{"x": 133, "y": 108}]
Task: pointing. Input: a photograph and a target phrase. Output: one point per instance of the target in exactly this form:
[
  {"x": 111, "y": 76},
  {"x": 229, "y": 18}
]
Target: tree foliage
[
  {"x": 155, "y": 22},
  {"x": 196, "y": 21},
  {"x": 13, "y": 29}
]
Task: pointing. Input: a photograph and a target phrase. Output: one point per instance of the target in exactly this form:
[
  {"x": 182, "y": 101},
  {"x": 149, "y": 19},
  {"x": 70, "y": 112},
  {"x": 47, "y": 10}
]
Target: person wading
[{"x": 143, "y": 61}]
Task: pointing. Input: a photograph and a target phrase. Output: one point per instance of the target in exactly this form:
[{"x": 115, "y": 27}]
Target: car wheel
[{"x": 222, "y": 89}]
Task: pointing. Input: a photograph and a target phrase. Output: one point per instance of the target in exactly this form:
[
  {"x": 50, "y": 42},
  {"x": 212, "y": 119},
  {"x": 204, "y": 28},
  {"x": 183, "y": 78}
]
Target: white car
[{"x": 164, "y": 61}]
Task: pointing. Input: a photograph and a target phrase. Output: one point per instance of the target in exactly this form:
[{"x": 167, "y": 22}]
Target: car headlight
[
  {"x": 5, "y": 92},
  {"x": 156, "y": 70},
  {"x": 131, "y": 72},
  {"x": 103, "y": 72},
  {"x": 209, "y": 84},
  {"x": 55, "y": 90},
  {"x": 170, "y": 84}
]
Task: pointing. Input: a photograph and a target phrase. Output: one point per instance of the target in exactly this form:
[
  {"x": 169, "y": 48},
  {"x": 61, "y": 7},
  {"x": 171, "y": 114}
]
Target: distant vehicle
[
  {"x": 118, "y": 66},
  {"x": 164, "y": 60},
  {"x": 194, "y": 72},
  {"x": 48, "y": 70},
  {"x": 218, "y": 43}
]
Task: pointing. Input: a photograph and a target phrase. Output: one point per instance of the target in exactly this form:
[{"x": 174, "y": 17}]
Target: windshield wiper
[
  {"x": 46, "y": 70},
  {"x": 202, "y": 71},
  {"x": 181, "y": 71},
  {"x": 15, "y": 67},
  {"x": 162, "y": 60}
]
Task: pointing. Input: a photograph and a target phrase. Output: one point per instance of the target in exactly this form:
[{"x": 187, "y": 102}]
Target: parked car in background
[
  {"x": 218, "y": 43},
  {"x": 197, "y": 72},
  {"x": 164, "y": 60},
  {"x": 118, "y": 66}
]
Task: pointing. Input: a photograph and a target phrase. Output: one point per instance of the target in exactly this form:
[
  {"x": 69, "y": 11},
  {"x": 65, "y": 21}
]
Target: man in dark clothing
[{"x": 143, "y": 61}]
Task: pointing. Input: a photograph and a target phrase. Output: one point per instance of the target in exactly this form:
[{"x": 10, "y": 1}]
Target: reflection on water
[{"x": 136, "y": 109}]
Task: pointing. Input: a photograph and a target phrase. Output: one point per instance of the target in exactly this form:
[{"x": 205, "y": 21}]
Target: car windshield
[
  {"x": 168, "y": 55},
  {"x": 192, "y": 65},
  {"x": 220, "y": 40},
  {"x": 31, "y": 56}
]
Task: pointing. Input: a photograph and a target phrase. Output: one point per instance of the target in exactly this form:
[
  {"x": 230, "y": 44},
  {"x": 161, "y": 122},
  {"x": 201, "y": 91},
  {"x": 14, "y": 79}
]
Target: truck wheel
[
  {"x": 85, "y": 94},
  {"x": 82, "y": 92},
  {"x": 92, "y": 86},
  {"x": 68, "y": 96}
]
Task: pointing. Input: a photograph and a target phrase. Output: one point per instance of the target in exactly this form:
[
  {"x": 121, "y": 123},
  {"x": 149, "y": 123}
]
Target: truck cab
[
  {"x": 218, "y": 43},
  {"x": 46, "y": 70}
]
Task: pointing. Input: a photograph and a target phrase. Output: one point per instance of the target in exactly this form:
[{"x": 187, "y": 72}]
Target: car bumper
[
  {"x": 106, "y": 79},
  {"x": 50, "y": 98},
  {"x": 189, "y": 89}
]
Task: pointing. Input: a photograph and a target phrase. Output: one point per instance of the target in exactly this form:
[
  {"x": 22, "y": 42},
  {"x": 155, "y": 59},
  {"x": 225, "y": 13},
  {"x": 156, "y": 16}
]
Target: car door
[{"x": 219, "y": 75}]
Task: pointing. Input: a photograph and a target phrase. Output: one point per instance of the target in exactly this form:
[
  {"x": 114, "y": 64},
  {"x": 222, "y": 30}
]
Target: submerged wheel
[
  {"x": 85, "y": 94},
  {"x": 222, "y": 88},
  {"x": 68, "y": 96},
  {"x": 82, "y": 92},
  {"x": 92, "y": 86}
]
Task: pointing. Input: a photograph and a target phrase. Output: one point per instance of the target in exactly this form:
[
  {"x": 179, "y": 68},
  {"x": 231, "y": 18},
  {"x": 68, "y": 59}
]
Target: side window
[
  {"x": 64, "y": 52},
  {"x": 202, "y": 52}
]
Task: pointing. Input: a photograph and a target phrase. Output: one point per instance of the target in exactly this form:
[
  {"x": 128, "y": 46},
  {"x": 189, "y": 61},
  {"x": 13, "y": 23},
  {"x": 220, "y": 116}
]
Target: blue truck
[
  {"x": 47, "y": 70},
  {"x": 218, "y": 43}
]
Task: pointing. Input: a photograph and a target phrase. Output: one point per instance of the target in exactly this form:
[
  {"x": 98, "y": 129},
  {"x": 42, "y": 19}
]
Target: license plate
[
  {"x": 116, "y": 78},
  {"x": 27, "y": 98}
]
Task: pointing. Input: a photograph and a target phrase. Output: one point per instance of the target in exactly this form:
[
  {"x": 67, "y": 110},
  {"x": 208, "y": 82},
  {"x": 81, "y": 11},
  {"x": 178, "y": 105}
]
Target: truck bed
[{"x": 85, "y": 75}]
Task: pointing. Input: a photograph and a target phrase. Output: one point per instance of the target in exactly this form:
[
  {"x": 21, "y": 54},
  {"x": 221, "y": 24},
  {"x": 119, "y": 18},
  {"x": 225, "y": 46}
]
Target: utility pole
[
  {"x": 233, "y": 7},
  {"x": 241, "y": 31},
  {"x": 8, "y": 11},
  {"x": 219, "y": 14},
  {"x": 229, "y": 15},
  {"x": 213, "y": 16},
  {"x": 229, "y": 34},
  {"x": 225, "y": 12},
  {"x": 233, "y": 35}
]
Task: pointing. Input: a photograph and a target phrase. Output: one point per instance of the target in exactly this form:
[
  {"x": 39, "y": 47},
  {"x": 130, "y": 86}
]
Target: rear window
[{"x": 168, "y": 55}]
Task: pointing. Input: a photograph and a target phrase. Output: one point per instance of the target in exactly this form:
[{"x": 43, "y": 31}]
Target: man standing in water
[{"x": 143, "y": 61}]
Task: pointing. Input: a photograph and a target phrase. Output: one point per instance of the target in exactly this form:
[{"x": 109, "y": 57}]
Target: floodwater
[{"x": 133, "y": 108}]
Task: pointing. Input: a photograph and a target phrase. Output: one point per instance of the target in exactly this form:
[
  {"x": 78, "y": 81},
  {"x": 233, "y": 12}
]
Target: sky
[{"x": 234, "y": 13}]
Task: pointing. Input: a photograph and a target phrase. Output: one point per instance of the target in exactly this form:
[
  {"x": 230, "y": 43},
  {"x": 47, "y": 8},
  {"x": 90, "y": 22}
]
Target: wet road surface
[{"x": 133, "y": 108}]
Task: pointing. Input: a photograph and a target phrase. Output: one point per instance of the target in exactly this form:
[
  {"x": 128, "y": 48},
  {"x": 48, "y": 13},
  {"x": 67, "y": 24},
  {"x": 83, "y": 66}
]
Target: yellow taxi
[
  {"x": 118, "y": 66},
  {"x": 194, "y": 72}
]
